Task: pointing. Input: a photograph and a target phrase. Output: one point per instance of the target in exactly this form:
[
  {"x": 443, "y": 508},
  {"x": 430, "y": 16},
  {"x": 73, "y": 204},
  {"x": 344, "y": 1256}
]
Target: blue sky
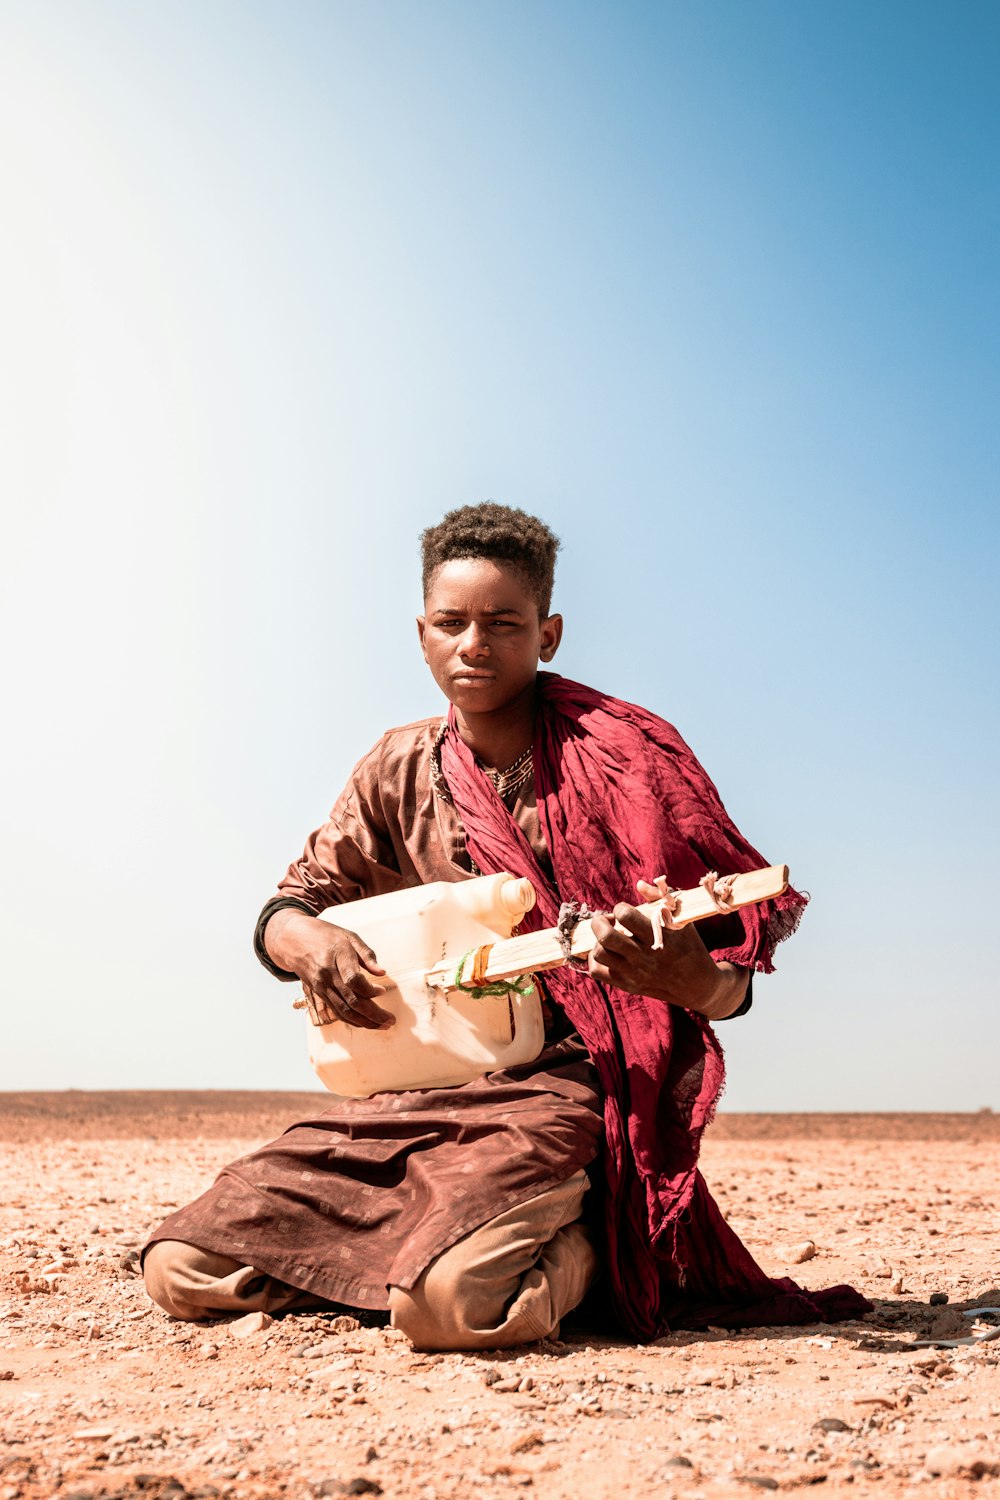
[{"x": 713, "y": 288}]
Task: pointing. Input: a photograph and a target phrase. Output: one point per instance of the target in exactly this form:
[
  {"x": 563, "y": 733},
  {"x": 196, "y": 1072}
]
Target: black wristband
[{"x": 277, "y": 903}]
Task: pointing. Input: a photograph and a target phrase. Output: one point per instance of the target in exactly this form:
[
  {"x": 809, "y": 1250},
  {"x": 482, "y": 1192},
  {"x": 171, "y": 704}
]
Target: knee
[
  {"x": 431, "y": 1323},
  {"x": 164, "y": 1271},
  {"x": 454, "y": 1306}
]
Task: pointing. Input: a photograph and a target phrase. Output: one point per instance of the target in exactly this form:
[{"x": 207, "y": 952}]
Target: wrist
[
  {"x": 288, "y": 936},
  {"x": 728, "y": 992}
]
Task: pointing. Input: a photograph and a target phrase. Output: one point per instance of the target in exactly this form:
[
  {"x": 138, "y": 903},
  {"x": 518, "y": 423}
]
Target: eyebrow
[{"x": 506, "y": 609}]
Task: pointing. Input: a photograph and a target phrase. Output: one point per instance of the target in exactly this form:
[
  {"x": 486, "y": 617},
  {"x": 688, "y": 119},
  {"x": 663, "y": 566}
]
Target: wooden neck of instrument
[{"x": 535, "y": 952}]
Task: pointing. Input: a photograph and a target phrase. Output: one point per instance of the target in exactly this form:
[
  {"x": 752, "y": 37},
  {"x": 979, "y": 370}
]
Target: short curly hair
[{"x": 499, "y": 533}]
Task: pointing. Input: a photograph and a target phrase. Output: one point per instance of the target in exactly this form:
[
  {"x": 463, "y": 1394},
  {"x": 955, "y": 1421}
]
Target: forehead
[{"x": 479, "y": 583}]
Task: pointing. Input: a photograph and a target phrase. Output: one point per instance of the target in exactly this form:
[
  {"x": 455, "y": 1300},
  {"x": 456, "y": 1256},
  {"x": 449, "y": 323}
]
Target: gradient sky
[{"x": 712, "y": 287}]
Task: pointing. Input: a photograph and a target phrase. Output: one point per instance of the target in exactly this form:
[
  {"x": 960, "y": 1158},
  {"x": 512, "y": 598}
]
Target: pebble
[
  {"x": 957, "y": 1460},
  {"x": 359, "y": 1486},
  {"x": 679, "y": 1462},
  {"x": 802, "y": 1252},
  {"x": 209, "y": 1351},
  {"x": 896, "y": 1285},
  {"x": 938, "y": 1299},
  {"x": 761, "y": 1481},
  {"x": 250, "y": 1324},
  {"x": 343, "y": 1323},
  {"x": 318, "y": 1351},
  {"x": 831, "y": 1424}
]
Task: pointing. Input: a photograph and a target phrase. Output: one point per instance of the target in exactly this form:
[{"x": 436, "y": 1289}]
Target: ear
[
  {"x": 551, "y": 635},
  {"x": 421, "y": 632}
]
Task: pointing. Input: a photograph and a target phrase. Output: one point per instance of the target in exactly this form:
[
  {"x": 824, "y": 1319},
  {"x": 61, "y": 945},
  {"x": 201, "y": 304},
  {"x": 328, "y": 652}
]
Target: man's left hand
[{"x": 682, "y": 972}]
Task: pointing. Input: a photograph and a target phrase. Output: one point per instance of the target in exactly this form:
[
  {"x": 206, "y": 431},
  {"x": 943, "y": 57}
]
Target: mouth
[{"x": 474, "y": 677}]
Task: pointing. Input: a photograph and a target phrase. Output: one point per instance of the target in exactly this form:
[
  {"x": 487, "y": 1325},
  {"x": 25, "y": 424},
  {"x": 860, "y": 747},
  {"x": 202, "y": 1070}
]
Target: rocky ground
[{"x": 103, "y": 1396}]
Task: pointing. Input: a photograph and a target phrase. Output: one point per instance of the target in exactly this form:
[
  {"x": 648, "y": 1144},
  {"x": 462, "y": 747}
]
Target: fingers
[
  {"x": 356, "y": 992},
  {"x": 367, "y": 956},
  {"x": 615, "y": 956},
  {"x": 611, "y": 939},
  {"x": 623, "y": 955},
  {"x": 343, "y": 983},
  {"x": 326, "y": 1004}
]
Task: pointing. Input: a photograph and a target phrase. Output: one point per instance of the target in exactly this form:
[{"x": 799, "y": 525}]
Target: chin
[{"x": 479, "y": 698}]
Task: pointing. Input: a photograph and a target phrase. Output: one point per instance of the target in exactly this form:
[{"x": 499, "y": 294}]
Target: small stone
[
  {"x": 831, "y": 1424},
  {"x": 938, "y": 1299},
  {"x": 363, "y": 1486},
  {"x": 250, "y": 1324},
  {"x": 679, "y": 1462},
  {"x": 760, "y": 1481},
  {"x": 507, "y": 1385},
  {"x": 93, "y": 1434},
  {"x": 344, "y": 1324},
  {"x": 130, "y": 1263},
  {"x": 896, "y": 1285},
  {"x": 322, "y": 1350},
  {"x": 802, "y": 1252},
  {"x": 941, "y": 1460},
  {"x": 209, "y": 1351},
  {"x": 7, "y": 1375},
  {"x": 527, "y": 1442}
]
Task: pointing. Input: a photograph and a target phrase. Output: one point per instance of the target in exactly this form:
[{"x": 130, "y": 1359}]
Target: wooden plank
[{"x": 534, "y": 952}]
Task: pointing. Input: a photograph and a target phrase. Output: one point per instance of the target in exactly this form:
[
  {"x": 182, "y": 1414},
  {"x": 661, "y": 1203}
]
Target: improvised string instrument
[{"x": 459, "y": 983}]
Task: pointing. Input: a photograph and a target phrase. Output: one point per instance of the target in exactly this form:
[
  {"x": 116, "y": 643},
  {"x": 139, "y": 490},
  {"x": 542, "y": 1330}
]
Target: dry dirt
[{"x": 104, "y": 1396}]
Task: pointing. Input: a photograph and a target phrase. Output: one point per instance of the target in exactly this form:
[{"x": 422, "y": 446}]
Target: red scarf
[{"x": 621, "y": 797}]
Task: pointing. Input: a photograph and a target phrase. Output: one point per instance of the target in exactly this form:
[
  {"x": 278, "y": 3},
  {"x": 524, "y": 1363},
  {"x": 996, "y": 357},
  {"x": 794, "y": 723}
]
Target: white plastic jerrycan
[{"x": 441, "y": 1037}]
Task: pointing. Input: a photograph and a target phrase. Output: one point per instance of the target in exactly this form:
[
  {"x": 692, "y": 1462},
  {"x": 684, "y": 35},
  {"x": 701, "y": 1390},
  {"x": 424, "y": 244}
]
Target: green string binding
[{"x": 522, "y": 985}]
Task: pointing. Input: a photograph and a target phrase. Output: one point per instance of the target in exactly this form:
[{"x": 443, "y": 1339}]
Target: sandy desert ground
[{"x": 103, "y": 1395}]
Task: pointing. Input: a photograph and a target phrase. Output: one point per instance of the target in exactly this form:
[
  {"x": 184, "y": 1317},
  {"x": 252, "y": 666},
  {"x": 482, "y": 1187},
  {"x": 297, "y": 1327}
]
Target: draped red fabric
[{"x": 622, "y": 797}]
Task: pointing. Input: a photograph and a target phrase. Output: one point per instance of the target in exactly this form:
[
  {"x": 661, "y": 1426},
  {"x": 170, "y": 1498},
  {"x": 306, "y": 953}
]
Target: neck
[{"x": 499, "y": 738}]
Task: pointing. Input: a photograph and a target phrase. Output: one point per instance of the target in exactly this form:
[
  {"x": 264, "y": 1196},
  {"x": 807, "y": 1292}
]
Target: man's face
[{"x": 481, "y": 634}]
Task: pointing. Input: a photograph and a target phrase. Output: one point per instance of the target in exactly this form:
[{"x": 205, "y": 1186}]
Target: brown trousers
[{"x": 509, "y": 1282}]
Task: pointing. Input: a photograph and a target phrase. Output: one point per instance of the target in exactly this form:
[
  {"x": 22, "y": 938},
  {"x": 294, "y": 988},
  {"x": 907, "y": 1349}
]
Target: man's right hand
[{"x": 337, "y": 968}]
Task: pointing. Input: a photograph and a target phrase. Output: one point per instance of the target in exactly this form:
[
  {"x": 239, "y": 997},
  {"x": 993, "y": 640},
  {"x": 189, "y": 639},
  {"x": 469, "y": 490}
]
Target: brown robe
[{"x": 369, "y": 1192}]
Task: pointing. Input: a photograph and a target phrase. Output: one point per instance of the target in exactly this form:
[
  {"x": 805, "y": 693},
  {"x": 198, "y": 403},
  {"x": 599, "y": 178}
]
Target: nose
[{"x": 473, "y": 643}]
